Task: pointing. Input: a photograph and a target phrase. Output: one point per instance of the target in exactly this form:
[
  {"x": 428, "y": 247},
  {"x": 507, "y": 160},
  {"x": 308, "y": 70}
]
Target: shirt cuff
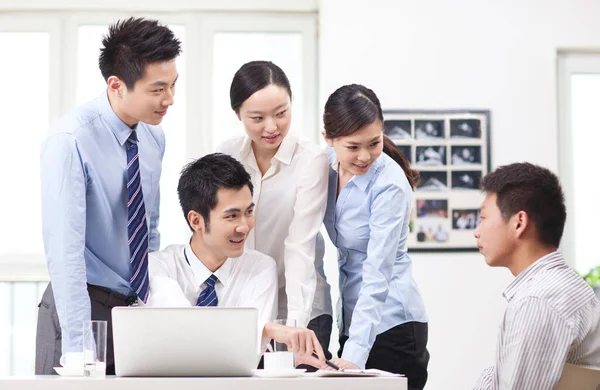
[
  {"x": 486, "y": 379},
  {"x": 262, "y": 342},
  {"x": 356, "y": 354},
  {"x": 300, "y": 317}
]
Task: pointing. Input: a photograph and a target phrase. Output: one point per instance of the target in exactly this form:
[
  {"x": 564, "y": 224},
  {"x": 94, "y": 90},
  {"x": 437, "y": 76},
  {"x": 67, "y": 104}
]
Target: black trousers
[
  {"x": 321, "y": 325},
  {"x": 49, "y": 336},
  {"x": 401, "y": 350}
]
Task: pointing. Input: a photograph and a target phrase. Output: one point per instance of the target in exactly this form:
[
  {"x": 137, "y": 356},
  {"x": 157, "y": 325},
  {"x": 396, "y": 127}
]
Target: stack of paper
[{"x": 349, "y": 373}]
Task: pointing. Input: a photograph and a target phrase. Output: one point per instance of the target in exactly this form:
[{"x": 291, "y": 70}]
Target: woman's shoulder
[
  {"x": 306, "y": 146},
  {"x": 390, "y": 174},
  {"x": 231, "y": 146}
]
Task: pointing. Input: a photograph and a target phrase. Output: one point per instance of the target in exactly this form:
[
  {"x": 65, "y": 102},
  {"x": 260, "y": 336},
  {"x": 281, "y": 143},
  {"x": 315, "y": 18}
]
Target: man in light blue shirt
[{"x": 101, "y": 167}]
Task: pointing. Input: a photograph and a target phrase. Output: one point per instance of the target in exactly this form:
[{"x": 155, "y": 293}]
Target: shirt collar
[
  {"x": 246, "y": 148},
  {"x": 284, "y": 154},
  {"x": 551, "y": 260},
  {"x": 361, "y": 181},
  {"x": 333, "y": 162},
  {"x": 116, "y": 125},
  {"x": 286, "y": 149},
  {"x": 201, "y": 273}
]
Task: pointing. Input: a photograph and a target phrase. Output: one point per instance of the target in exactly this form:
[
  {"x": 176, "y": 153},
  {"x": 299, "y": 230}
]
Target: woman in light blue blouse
[{"x": 384, "y": 324}]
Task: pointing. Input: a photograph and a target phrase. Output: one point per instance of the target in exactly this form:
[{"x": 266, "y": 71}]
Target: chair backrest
[{"x": 578, "y": 378}]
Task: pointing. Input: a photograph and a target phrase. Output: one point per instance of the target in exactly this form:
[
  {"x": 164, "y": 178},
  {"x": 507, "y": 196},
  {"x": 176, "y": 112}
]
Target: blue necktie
[
  {"x": 137, "y": 228},
  {"x": 208, "y": 296}
]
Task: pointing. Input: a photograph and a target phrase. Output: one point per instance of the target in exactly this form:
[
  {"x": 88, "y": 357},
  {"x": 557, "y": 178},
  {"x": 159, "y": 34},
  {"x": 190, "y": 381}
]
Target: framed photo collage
[{"x": 451, "y": 151}]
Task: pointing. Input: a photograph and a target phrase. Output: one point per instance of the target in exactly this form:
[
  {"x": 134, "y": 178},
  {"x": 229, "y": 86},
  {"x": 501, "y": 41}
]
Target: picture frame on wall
[{"x": 451, "y": 151}]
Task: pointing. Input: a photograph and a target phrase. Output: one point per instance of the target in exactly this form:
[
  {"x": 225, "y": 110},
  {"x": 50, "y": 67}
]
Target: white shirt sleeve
[
  {"x": 299, "y": 257},
  {"x": 165, "y": 291},
  {"x": 261, "y": 294}
]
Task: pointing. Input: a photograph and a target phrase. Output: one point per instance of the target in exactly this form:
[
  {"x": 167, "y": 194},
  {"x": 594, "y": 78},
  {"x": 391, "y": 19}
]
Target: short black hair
[
  {"x": 200, "y": 181},
  {"x": 133, "y": 43},
  {"x": 254, "y": 76},
  {"x": 533, "y": 189}
]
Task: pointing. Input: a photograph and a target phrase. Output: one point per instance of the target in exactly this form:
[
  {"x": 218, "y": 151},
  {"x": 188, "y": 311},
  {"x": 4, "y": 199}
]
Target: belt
[{"x": 108, "y": 297}]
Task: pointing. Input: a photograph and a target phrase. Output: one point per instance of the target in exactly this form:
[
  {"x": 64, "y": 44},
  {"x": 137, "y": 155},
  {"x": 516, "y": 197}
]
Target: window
[
  {"x": 579, "y": 99},
  {"x": 25, "y": 126}
]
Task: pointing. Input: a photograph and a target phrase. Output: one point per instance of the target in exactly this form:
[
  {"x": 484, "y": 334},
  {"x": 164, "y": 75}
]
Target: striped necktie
[
  {"x": 137, "y": 229},
  {"x": 208, "y": 296}
]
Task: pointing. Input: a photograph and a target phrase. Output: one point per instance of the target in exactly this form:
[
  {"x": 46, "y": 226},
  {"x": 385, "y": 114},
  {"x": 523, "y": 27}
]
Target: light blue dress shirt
[
  {"x": 368, "y": 223},
  {"x": 84, "y": 207}
]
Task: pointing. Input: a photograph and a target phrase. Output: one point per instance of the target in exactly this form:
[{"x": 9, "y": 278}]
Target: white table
[{"x": 54, "y": 382}]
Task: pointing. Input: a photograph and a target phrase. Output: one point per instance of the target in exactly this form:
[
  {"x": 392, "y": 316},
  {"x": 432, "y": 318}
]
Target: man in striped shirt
[{"x": 553, "y": 316}]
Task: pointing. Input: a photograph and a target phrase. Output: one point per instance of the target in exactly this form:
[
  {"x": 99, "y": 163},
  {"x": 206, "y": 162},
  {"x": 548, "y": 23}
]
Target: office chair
[{"x": 579, "y": 378}]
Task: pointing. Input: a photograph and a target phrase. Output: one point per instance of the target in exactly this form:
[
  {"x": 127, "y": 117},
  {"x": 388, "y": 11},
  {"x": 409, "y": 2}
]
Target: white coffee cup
[
  {"x": 73, "y": 362},
  {"x": 282, "y": 360}
]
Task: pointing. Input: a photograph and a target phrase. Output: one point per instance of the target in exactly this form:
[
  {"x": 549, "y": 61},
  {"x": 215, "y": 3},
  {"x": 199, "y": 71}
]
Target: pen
[
  {"x": 335, "y": 367},
  {"x": 329, "y": 363}
]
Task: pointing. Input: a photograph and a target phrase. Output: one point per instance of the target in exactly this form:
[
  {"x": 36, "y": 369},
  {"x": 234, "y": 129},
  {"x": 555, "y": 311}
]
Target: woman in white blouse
[{"x": 290, "y": 177}]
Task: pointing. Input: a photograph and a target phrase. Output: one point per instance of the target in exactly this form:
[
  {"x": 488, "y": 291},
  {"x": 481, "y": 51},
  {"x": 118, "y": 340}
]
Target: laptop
[{"x": 185, "y": 341}]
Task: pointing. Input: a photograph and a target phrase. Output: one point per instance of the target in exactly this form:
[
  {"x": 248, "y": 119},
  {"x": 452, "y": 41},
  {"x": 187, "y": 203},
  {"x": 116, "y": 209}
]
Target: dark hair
[
  {"x": 200, "y": 181},
  {"x": 133, "y": 43},
  {"x": 354, "y": 106},
  {"x": 533, "y": 189},
  {"x": 254, "y": 76}
]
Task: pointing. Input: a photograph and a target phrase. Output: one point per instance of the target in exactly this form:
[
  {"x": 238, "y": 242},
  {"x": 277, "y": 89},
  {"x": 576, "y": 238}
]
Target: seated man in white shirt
[
  {"x": 215, "y": 193},
  {"x": 552, "y": 316}
]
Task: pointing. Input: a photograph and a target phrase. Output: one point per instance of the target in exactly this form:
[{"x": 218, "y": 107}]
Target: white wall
[{"x": 497, "y": 55}]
